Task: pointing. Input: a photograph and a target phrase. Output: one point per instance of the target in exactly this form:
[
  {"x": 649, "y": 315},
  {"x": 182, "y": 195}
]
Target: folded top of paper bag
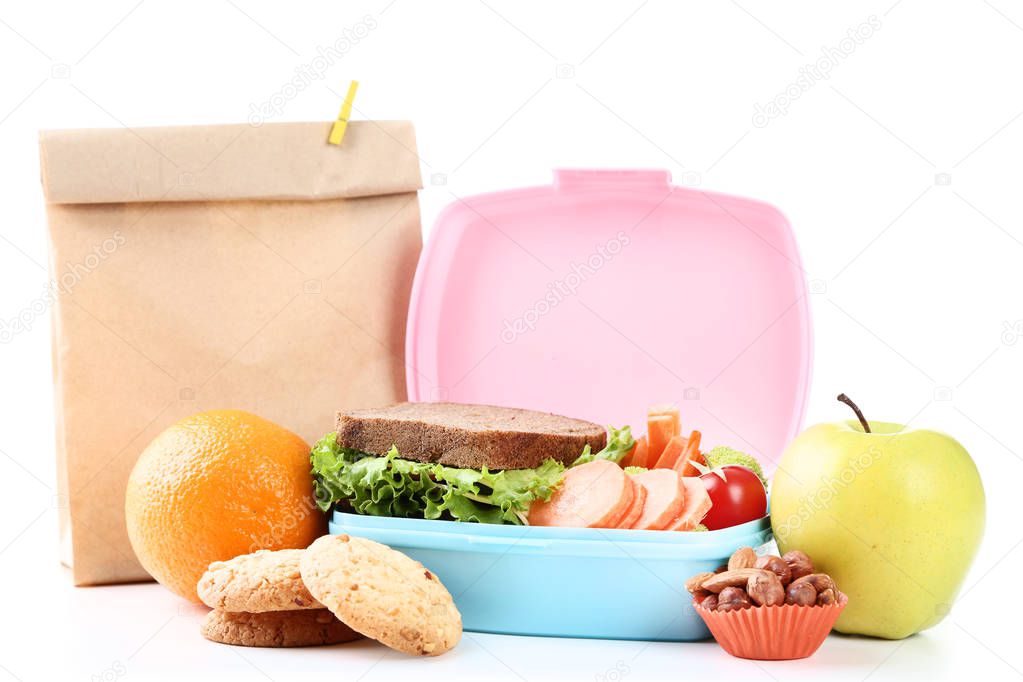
[{"x": 201, "y": 163}]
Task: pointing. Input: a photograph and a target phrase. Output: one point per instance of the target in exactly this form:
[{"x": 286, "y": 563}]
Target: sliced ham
[
  {"x": 696, "y": 506},
  {"x": 635, "y": 510},
  {"x": 592, "y": 495},
  {"x": 665, "y": 497}
]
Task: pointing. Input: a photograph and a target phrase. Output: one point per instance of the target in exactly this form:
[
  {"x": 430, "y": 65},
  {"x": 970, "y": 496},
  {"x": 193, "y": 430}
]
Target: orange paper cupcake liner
[{"x": 773, "y": 633}]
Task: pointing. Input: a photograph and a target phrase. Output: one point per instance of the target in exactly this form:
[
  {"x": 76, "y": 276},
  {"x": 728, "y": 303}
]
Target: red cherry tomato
[{"x": 737, "y": 498}]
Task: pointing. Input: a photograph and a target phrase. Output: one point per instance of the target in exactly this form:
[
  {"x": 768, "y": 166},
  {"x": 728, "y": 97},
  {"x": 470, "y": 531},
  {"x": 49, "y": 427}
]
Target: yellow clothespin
[{"x": 337, "y": 131}]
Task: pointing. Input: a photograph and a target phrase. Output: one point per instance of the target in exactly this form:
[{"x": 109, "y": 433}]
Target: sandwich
[{"x": 474, "y": 463}]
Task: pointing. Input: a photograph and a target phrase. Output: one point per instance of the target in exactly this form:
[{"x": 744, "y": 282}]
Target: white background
[{"x": 900, "y": 173}]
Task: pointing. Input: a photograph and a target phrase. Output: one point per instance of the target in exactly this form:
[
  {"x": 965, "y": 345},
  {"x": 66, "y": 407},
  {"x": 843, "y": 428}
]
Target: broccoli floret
[
  {"x": 724, "y": 455},
  {"x": 700, "y": 528}
]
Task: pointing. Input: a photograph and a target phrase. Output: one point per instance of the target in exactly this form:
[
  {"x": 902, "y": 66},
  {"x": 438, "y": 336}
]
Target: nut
[
  {"x": 801, "y": 594},
  {"x": 799, "y": 563},
  {"x": 820, "y": 581},
  {"x": 737, "y": 578},
  {"x": 710, "y": 602},
  {"x": 765, "y": 589},
  {"x": 750, "y": 581},
  {"x": 777, "y": 566},
  {"x": 733, "y": 599},
  {"x": 696, "y": 582},
  {"x": 744, "y": 557}
]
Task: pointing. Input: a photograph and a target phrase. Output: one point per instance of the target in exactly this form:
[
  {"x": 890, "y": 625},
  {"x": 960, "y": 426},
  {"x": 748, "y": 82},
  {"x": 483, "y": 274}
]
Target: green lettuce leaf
[
  {"x": 619, "y": 442},
  {"x": 392, "y": 486}
]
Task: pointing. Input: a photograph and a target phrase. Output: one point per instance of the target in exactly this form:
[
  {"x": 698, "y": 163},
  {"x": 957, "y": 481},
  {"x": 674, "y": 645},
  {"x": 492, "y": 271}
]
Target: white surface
[
  {"x": 147, "y": 633},
  {"x": 918, "y": 281}
]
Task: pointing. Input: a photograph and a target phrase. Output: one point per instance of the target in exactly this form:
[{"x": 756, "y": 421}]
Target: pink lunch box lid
[{"x": 610, "y": 291}]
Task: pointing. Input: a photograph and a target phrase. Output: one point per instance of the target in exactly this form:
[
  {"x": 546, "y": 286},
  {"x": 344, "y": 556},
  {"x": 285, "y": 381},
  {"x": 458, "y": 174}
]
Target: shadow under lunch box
[
  {"x": 564, "y": 582},
  {"x": 595, "y": 297}
]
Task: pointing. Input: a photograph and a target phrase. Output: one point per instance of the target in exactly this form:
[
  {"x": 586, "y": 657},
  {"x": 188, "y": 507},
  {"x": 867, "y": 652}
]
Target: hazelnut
[
  {"x": 710, "y": 602},
  {"x": 744, "y": 557},
  {"x": 820, "y": 581},
  {"x": 827, "y": 597},
  {"x": 801, "y": 594},
  {"x": 765, "y": 589},
  {"x": 733, "y": 599},
  {"x": 799, "y": 564},
  {"x": 777, "y": 566}
]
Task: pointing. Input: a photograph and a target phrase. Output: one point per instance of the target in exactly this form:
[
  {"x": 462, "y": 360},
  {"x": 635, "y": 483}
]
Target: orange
[{"x": 216, "y": 485}]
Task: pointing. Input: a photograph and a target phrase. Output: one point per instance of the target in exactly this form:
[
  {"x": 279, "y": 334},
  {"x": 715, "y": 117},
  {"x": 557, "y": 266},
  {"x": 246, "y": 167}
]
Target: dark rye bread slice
[{"x": 470, "y": 436}]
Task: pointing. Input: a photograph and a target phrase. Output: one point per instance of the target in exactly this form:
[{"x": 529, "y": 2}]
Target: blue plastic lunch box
[{"x": 564, "y": 582}]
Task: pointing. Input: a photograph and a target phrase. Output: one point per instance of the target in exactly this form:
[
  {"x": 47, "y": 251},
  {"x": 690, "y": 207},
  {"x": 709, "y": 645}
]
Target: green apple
[{"x": 894, "y": 515}]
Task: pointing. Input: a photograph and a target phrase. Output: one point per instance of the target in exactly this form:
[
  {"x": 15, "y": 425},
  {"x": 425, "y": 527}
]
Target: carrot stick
[
  {"x": 671, "y": 453},
  {"x": 684, "y": 464},
  {"x": 690, "y": 468},
  {"x": 637, "y": 456},
  {"x": 659, "y": 430},
  {"x": 667, "y": 411}
]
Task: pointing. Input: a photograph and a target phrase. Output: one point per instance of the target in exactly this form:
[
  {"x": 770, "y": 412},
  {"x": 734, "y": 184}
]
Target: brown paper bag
[{"x": 217, "y": 266}]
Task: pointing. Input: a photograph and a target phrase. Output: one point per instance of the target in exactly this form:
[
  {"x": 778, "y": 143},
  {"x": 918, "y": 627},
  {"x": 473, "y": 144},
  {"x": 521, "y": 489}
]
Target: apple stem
[{"x": 843, "y": 398}]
